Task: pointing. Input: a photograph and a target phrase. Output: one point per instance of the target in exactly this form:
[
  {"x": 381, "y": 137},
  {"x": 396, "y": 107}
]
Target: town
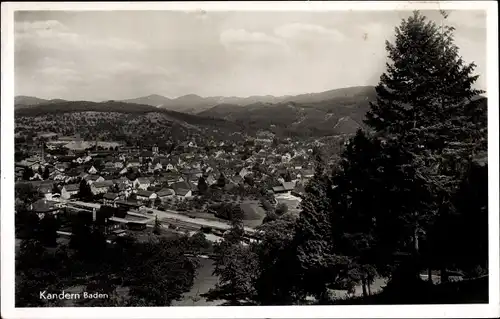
[{"x": 183, "y": 190}]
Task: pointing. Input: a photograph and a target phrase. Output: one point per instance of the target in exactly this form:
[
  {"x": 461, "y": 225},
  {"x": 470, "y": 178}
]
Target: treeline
[
  {"x": 154, "y": 272},
  {"x": 406, "y": 198}
]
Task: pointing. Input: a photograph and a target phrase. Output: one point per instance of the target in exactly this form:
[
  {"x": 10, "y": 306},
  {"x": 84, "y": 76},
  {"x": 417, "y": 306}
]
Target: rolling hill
[
  {"x": 329, "y": 113},
  {"x": 117, "y": 107},
  {"x": 334, "y": 112},
  {"x": 193, "y": 103},
  {"x": 23, "y": 101}
]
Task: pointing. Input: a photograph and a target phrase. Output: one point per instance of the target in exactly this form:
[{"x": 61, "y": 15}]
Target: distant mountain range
[
  {"x": 193, "y": 103},
  {"x": 23, "y": 101},
  {"x": 339, "y": 111},
  {"x": 333, "y": 112}
]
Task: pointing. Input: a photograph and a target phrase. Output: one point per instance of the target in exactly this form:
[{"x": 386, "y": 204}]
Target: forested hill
[
  {"x": 337, "y": 116},
  {"x": 114, "y": 107}
]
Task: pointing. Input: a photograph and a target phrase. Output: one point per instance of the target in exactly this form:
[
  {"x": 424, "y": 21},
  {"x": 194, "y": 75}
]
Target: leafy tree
[
  {"x": 28, "y": 174},
  {"x": 199, "y": 242},
  {"x": 38, "y": 270},
  {"x": 82, "y": 236},
  {"x": 322, "y": 266},
  {"x": 202, "y": 185},
  {"x": 221, "y": 181},
  {"x": 157, "y": 226},
  {"x": 276, "y": 282},
  {"x": 266, "y": 205},
  {"x": 55, "y": 189},
  {"x": 25, "y": 192},
  {"x": 85, "y": 192},
  {"x": 49, "y": 225},
  {"x": 236, "y": 267},
  {"x": 46, "y": 173},
  {"x": 160, "y": 272},
  {"x": 281, "y": 209}
]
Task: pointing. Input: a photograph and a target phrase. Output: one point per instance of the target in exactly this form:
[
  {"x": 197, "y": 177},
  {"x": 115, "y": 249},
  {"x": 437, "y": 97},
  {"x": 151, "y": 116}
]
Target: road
[{"x": 174, "y": 215}]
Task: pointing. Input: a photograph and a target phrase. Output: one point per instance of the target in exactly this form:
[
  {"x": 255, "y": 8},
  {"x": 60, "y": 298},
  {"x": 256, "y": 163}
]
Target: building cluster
[{"x": 135, "y": 178}]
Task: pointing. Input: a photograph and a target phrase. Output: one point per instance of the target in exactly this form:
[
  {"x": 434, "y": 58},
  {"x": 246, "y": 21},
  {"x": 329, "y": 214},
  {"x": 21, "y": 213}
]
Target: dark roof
[
  {"x": 288, "y": 185},
  {"x": 102, "y": 184},
  {"x": 44, "y": 206},
  {"x": 128, "y": 203},
  {"x": 45, "y": 189},
  {"x": 182, "y": 191},
  {"x": 93, "y": 177},
  {"x": 72, "y": 187},
  {"x": 144, "y": 193},
  {"x": 165, "y": 192},
  {"x": 176, "y": 185},
  {"x": 278, "y": 189},
  {"x": 111, "y": 196}
]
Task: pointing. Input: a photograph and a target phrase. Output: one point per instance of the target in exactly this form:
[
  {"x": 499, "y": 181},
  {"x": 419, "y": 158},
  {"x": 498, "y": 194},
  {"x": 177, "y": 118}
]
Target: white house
[
  {"x": 145, "y": 195},
  {"x": 101, "y": 187},
  {"x": 93, "y": 179},
  {"x": 165, "y": 194},
  {"x": 92, "y": 170},
  {"x": 142, "y": 183},
  {"x": 70, "y": 190}
]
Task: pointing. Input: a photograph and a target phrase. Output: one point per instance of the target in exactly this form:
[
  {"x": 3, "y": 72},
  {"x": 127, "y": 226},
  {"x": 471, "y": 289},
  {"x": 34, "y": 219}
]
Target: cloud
[
  {"x": 302, "y": 30},
  {"x": 52, "y": 34},
  {"x": 240, "y": 37}
]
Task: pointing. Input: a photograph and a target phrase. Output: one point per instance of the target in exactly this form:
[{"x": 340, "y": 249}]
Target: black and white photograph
[{"x": 213, "y": 155}]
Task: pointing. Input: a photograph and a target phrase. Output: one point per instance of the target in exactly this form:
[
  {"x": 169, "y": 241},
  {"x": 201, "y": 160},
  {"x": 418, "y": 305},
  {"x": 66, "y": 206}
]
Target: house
[
  {"x": 145, "y": 155},
  {"x": 44, "y": 207},
  {"x": 305, "y": 174},
  {"x": 143, "y": 195},
  {"x": 70, "y": 190},
  {"x": 100, "y": 187},
  {"x": 169, "y": 165},
  {"x": 93, "y": 179},
  {"x": 182, "y": 190},
  {"x": 129, "y": 204},
  {"x": 285, "y": 187},
  {"x": 110, "y": 199},
  {"x": 173, "y": 177},
  {"x": 210, "y": 179},
  {"x": 109, "y": 165},
  {"x": 165, "y": 194},
  {"x": 92, "y": 170},
  {"x": 142, "y": 183}
]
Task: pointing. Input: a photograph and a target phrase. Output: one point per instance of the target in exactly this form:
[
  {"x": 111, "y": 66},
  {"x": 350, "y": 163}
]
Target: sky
[{"x": 103, "y": 55}]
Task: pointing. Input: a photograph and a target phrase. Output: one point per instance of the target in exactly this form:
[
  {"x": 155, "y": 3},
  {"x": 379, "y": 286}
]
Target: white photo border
[{"x": 425, "y": 311}]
